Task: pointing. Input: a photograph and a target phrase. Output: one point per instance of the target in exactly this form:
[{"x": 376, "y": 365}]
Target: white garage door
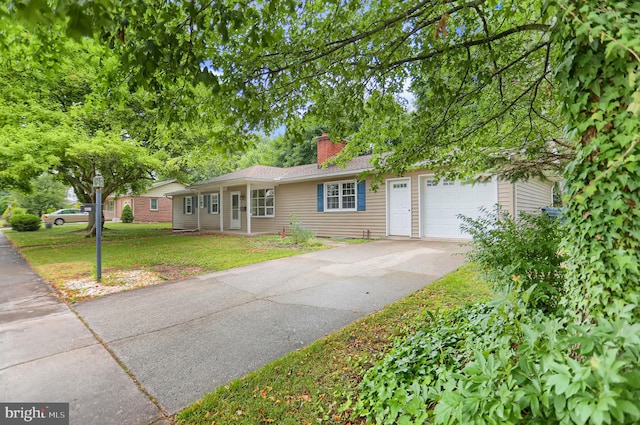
[{"x": 443, "y": 201}]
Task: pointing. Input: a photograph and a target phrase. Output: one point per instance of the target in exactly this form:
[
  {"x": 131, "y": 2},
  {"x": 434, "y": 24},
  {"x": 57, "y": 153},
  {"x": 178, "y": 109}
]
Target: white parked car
[{"x": 67, "y": 215}]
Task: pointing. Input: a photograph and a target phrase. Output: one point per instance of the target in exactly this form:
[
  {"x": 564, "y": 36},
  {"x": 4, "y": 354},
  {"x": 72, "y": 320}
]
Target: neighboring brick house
[{"x": 149, "y": 207}]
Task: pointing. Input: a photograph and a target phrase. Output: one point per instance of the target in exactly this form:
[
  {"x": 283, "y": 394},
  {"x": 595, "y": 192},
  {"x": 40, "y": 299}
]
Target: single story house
[
  {"x": 333, "y": 202},
  {"x": 149, "y": 207}
]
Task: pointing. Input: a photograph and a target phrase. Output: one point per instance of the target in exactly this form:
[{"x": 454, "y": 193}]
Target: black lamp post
[{"x": 98, "y": 184}]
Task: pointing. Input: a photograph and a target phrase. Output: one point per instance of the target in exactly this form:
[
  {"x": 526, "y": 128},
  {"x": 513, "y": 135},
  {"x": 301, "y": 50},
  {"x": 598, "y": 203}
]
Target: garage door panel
[{"x": 442, "y": 203}]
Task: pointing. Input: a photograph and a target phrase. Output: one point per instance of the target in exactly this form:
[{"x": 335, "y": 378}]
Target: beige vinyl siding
[
  {"x": 157, "y": 192},
  {"x": 181, "y": 220},
  {"x": 506, "y": 196},
  {"x": 532, "y": 195},
  {"x": 301, "y": 199},
  {"x": 208, "y": 221}
]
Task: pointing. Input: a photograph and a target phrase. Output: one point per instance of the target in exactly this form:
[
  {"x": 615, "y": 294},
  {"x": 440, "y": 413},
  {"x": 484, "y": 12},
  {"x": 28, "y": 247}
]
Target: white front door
[
  {"x": 399, "y": 209},
  {"x": 235, "y": 211}
]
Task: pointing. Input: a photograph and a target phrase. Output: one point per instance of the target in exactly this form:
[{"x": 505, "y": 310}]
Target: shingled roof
[{"x": 263, "y": 173}]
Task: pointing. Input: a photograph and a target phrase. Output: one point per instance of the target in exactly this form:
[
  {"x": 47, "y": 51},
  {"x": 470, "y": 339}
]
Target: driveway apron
[
  {"x": 183, "y": 339},
  {"x": 48, "y": 355}
]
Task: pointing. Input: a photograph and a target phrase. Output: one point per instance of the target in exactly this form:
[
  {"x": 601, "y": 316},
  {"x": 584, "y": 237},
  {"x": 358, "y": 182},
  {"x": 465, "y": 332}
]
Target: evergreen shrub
[
  {"x": 127, "y": 214},
  {"x": 25, "y": 222}
]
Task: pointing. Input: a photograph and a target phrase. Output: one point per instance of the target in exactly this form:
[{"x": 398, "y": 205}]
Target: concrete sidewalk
[
  {"x": 48, "y": 355},
  {"x": 183, "y": 339}
]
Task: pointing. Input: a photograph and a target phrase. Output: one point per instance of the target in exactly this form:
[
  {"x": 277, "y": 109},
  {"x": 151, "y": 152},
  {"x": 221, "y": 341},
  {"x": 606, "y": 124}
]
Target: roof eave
[
  {"x": 232, "y": 182},
  {"x": 340, "y": 173}
]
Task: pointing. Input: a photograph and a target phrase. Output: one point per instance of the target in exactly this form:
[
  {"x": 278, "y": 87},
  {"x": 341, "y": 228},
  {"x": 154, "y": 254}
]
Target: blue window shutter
[
  {"x": 184, "y": 205},
  {"x": 362, "y": 193},
  {"x": 194, "y": 204},
  {"x": 320, "y": 197},
  {"x": 207, "y": 203}
]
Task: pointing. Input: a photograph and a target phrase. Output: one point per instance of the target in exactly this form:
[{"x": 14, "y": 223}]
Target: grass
[
  {"x": 75, "y": 233},
  {"x": 64, "y": 253},
  {"x": 311, "y": 385}
]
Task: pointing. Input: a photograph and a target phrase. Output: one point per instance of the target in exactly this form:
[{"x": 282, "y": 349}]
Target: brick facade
[{"x": 141, "y": 207}]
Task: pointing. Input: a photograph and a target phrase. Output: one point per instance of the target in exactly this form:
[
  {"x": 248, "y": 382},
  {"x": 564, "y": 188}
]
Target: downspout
[
  {"x": 515, "y": 200},
  {"x": 173, "y": 222},
  {"x": 197, "y": 206},
  {"x": 247, "y": 202},
  {"x": 221, "y": 209}
]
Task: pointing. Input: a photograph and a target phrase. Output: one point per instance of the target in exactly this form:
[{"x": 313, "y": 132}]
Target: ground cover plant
[
  {"x": 65, "y": 257},
  {"x": 314, "y": 384},
  {"x": 516, "y": 359}
]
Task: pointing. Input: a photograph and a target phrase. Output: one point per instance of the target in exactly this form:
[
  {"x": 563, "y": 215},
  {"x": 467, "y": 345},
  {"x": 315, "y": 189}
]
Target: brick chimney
[{"x": 327, "y": 149}]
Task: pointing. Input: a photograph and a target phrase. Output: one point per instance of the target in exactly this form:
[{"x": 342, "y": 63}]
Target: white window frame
[
  {"x": 188, "y": 205},
  {"x": 341, "y": 196},
  {"x": 151, "y": 204},
  {"x": 255, "y": 208},
  {"x": 214, "y": 200},
  {"x": 111, "y": 205}
]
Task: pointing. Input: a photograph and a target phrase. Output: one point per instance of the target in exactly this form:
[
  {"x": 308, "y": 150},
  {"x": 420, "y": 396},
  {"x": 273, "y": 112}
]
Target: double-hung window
[
  {"x": 153, "y": 204},
  {"x": 263, "y": 202},
  {"x": 340, "y": 196},
  {"x": 214, "y": 202},
  {"x": 188, "y": 205}
]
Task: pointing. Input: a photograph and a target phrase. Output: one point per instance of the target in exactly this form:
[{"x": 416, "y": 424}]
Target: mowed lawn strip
[
  {"x": 76, "y": 233},
  {"x": 309, "y": 386},
  {"x": 67, "y": 254}
]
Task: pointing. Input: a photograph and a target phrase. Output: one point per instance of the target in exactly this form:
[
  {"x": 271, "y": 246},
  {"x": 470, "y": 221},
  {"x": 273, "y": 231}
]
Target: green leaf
[
  {"x": 560, "y": 382},
  {"x": 634, "y": 106}
]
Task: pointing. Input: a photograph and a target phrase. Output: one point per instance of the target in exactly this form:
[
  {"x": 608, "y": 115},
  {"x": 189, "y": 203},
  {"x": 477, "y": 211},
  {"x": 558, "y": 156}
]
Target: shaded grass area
[
  {"x": 65, "y": 253},
  {"x": 313, "y": 384}
]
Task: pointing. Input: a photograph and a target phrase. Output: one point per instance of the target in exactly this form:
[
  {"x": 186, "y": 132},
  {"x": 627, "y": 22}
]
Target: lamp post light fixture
[{"x": 98, "y": 184}]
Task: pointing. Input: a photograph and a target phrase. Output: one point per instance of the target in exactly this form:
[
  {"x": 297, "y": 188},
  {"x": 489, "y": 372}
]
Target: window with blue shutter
[
  {"x": 362, "y": 193},
  {"x": 342, "y": 196},
  {"x": 320, "y": 197}
]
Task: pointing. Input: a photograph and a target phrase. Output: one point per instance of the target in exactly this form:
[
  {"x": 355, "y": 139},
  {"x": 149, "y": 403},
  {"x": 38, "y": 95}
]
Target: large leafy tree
[
  {"x": 48, "y": 194},
  {"x": 53, "y": 121},
  {"x": 73, "y": 114},
  {"x": 480, "y": 72}
]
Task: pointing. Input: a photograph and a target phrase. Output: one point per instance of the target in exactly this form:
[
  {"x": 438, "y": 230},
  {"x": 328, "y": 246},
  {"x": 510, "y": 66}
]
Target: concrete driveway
[{"x": 181, "y": 340}]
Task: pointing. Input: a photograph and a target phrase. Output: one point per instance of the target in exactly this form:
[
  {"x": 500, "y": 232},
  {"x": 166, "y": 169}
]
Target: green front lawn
[
  {"x": 75, "y": 233},
  {"x": 64, "y": 254},
  {"x": 311, "y": 386}
]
